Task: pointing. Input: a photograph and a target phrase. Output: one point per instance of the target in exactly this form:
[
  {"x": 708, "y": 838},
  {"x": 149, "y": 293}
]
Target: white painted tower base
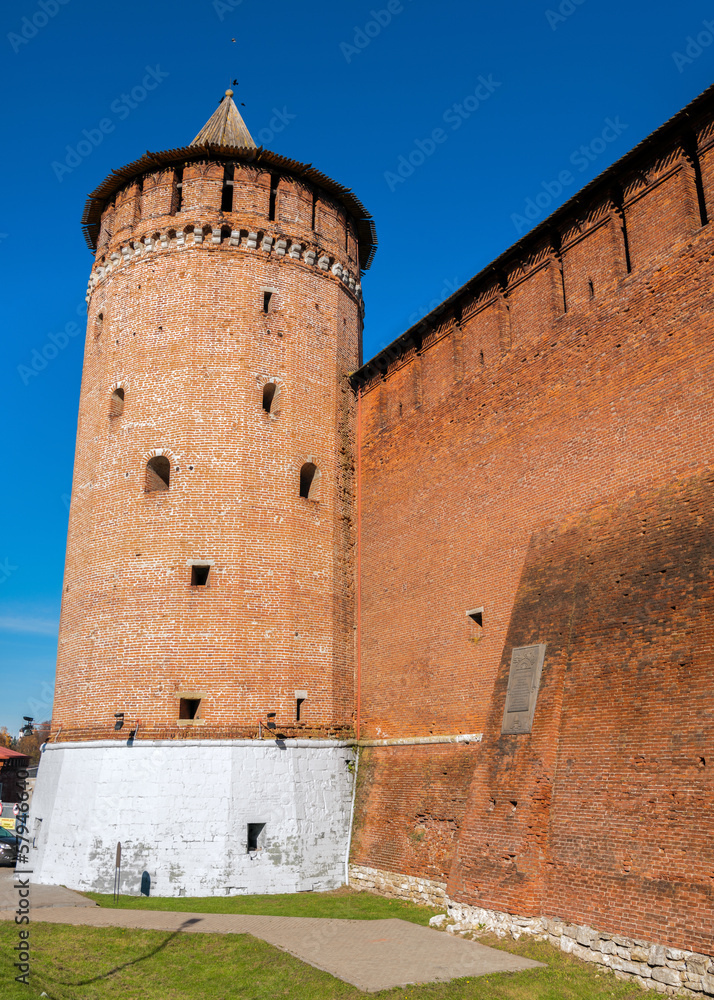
[{"x": 181, "y": 812}]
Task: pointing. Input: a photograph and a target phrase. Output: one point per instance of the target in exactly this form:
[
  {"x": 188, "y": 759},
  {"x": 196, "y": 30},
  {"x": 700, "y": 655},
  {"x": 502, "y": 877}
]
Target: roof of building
[
  {"x": 225, "y": 127},
  {"x": 6, "y": 753},
  {"x": 226, "y": 137}
]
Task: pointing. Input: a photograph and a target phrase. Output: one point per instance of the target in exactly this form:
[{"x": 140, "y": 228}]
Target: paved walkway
[
  {"x": 42, "y": 895},
  {"x": 370, "y": 954}
]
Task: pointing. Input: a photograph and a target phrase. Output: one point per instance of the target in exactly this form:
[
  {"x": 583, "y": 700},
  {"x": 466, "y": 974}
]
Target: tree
[
  {"x": 30, "y": 743},
  {"x": 7, "y": 740}
]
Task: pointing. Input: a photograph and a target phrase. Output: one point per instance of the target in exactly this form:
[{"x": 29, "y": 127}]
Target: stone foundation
[
  {"x": 417, "y": 890},
  {"x": 652, "y": 966}
]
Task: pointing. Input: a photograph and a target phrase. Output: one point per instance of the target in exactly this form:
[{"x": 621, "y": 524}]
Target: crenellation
[
  {"x": 157, "y": 194},
  {"x": 202, "y": 188}
]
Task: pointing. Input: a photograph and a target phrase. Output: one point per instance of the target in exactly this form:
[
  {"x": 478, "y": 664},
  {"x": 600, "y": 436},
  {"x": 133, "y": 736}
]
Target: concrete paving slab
[
  {"x": 372, "y": 955},
  {"x": 41, "y": 896}
]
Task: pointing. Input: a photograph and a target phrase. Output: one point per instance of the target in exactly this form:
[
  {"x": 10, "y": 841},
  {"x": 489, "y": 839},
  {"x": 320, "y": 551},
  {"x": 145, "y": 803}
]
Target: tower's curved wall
[
  {"x": 178, "y": 323},
  {"x": 213, "y": 279}
]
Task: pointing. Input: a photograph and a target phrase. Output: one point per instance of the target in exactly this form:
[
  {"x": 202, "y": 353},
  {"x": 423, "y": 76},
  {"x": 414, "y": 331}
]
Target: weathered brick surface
[
  {"x": 600, "y": 813},
  {"x": 542, "y": 447},
  {"x": 409, "y": 806},
  {"x": 183, "y": 332}
]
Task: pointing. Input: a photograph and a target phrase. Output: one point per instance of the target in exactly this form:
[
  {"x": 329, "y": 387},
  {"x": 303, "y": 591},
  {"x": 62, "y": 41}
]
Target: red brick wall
[
  {"x": 482, "y": 442},
  {"x": 600, "y": 814},
  {"x": 410, "y": 806},
  {"x": 185, "y": 336}
]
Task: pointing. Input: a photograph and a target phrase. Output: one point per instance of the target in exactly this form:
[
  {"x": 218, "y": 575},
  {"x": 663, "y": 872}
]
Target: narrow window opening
[
  {"x": 273, "y": 196},
  {"x": 691, "y": 151},
  {"x": 158, "y": 474},
  {"x": 480, "y": 357},
  {"x": 298, "y": 708},
  {"x": 227, "y": 193},
  {"x": 256, "y": 837},
  {"x": 188, "y": 708},
  {"x": 139, "y": 197},
  {"x": 178, "y": 191},
  {"x": 267, "y": 296},
  {"x": 199, "y": 576},
  {"x": 619, "y": 203},
  {"x": 268, "y": 395},
  {"x": 99, "y": 325},
  {"x": 476, "y": 616},
  {"x": 116, "y": 404},
  {"x": 591, "y": 286},
  {"x": 308, "y": 474},
  {"x": 314, "y": 209},
  {"x": 556, "y": 244}
]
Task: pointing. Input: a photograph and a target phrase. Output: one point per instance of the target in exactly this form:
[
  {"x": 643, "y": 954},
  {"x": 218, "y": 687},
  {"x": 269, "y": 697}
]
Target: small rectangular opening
[
  {"x": 256, "y": 837},
  {"x": 178, "y": 191},
  {"x": 199, "y": 575},
  {"x": 227, "y": 193},
  {"x": 273, "y": 196},
  {"x": 298, "y": 708},
  {"x": 188, "y": 708},
  {"x": 476, "y": 616},
  {"x": 267, "y": 296},
  {"x": 314, "y": 208}
]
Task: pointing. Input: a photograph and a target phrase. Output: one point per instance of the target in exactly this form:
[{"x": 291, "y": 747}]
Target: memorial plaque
[{"x": 523, "y": 683}]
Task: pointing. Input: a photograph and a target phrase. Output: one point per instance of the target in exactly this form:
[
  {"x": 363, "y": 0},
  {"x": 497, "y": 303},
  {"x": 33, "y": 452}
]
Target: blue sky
[{"x": 487, "y": 103}]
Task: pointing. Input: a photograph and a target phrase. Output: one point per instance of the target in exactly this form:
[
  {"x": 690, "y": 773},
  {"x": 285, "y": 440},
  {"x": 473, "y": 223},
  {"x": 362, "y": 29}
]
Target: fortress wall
[
  {"x": 583, "y": 403},
  {"x": 410, "y": 807},
  {"x": 600, "y": 814}
]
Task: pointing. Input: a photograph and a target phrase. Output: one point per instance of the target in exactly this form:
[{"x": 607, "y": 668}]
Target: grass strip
[
  {"x": 344, "y": 904},
  {"x": 90, "y": 963}
]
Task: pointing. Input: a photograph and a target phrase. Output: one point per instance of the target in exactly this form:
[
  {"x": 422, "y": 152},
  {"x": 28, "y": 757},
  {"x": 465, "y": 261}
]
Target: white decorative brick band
[
  {"x": 652, "y": 966},
  {"x": 417, "y": 890},
  {"x": 136, "y": 249}
]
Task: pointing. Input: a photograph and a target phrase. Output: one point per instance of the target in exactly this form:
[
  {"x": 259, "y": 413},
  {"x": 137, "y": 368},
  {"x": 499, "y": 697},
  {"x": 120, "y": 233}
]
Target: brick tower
[{"x": 206, "y": 652}]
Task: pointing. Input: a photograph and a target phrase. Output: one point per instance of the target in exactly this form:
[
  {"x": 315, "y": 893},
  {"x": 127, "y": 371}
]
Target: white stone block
[{"x": 93, "y": 795}]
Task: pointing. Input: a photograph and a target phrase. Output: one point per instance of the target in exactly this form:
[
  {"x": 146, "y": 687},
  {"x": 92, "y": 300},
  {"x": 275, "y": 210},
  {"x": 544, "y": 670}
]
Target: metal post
[{"x": 117, "y": 873}]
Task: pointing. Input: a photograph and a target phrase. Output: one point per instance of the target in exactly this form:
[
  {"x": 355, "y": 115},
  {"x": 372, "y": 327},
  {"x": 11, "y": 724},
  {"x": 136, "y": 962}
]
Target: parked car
[{"x": 8, "y": 847}]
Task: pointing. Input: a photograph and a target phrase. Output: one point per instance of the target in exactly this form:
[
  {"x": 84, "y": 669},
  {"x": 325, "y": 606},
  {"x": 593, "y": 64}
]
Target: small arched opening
[
  {"x": 116, "y": 403},
  {"x": 308, "y": 481},
  {"x": 158, "y": 474},
  {"x": 269, "y": 390}
]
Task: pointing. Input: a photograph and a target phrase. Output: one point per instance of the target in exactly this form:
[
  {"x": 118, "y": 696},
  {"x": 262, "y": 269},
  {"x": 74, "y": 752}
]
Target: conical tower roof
[{"x": 225, "y": 127}]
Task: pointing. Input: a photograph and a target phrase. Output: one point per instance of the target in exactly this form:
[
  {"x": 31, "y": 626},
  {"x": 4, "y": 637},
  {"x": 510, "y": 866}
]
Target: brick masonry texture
[
  {"x": 177, "y": 321},
  {"x": 541, "y": 447}
]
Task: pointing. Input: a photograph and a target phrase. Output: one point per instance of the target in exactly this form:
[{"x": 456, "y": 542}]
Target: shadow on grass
[{"x": 125, "y": 965}]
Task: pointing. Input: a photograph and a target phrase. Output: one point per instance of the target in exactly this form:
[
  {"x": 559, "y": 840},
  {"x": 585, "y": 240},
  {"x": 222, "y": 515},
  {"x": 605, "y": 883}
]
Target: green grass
[
  {"x": 345, "y": 903},
  {"x": 89, "y": 963}
]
